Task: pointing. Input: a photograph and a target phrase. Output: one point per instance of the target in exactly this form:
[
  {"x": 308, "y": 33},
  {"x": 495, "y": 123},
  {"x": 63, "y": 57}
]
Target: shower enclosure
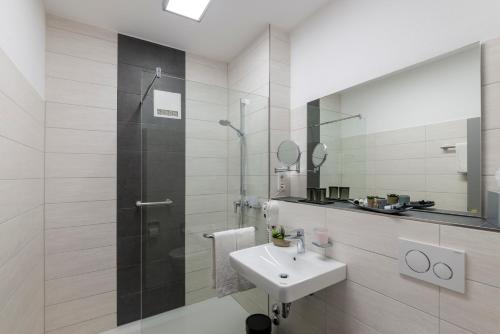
[{"x": 201, "y": 166}]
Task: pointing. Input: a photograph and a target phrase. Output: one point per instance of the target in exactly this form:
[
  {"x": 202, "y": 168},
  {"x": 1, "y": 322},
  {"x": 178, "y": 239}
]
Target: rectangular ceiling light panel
[{"x": 193, "y": 9}]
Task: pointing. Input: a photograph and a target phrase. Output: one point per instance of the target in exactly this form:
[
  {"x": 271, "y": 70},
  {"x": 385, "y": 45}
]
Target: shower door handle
[{"x": 167, "y": 202}]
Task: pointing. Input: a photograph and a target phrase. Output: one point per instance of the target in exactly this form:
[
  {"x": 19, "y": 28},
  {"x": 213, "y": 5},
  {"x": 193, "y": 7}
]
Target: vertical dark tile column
[
  {"x": 150, "y": 149},
  {"x": 313, "y": 138}
]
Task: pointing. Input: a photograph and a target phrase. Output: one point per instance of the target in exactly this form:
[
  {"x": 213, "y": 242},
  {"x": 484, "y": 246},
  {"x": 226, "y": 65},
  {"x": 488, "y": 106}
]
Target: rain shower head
[{"x": 225, "y": 122}]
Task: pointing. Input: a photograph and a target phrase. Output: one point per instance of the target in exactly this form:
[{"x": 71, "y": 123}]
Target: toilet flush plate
[{"x": 441, "y": 266}]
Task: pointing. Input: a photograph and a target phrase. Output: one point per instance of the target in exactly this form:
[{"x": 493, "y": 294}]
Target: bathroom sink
[{"x": 284, "y": 274}]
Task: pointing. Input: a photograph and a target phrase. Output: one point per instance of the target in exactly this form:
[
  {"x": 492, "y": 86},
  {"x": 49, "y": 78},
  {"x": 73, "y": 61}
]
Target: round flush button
[
  {"x": 443, "y": 271},
  {"x": 417, "y": 261}
]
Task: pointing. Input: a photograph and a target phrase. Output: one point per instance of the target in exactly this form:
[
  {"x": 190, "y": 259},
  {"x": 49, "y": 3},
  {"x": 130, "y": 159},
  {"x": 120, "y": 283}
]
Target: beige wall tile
[
  {"x": 80, "y": 165},
  {"x": 339, "y": 322},
  {"x": 68, "y": 116},
  {"x": 491, "y": 65},
  {"x": 16, "y": 233},
  {"x": 491, "y": 160},
  {"x": 380, "y": 233},
  {"x": 491, "y": 106},
  {"x": 197, "y": 223},
  {"x": 79, "y": 189},
  {"x": 478, "y": 310},
  {"x": 79, "y": 237},
  {"x": 73, "y": 312},
  {"x": 80, "y": 141},
  {"x": 80, "y": 286},
  {"x": 447, "y": 328},
  {"x": 79, "y": 93},
  {"x": 14, "y": 85},
  {"x": 79, "y": 45},
  {"x": 24, "y": 162},
  {"x": 381, "y": 273},
  {"x": 59, "y": 215},
  {"x": 14, "y": 273},
  {"x": 205, "y": 203},
  {"x": 79, "y": 69},
  {"x": 97, "y": 325},
  {"x": 383, "y": 314},
  {"x": 482, "y": 249},
  {"x": 18, "y": 125},
  {"x": 18, "y": 196},
  {"x": 80, "y": 28},
  {"x": 79, "y": 262}
]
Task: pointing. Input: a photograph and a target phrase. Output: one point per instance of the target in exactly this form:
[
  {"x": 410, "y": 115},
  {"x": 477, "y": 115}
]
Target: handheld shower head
[{"x": 225, "y": 122}]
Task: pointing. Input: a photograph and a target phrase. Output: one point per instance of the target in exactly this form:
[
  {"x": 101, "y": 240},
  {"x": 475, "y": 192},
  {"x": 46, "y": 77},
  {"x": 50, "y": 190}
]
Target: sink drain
[{"x": 283, "y": 275}]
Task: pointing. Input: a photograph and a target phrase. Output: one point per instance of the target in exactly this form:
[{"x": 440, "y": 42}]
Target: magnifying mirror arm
[{"x": 288, "y": 169}]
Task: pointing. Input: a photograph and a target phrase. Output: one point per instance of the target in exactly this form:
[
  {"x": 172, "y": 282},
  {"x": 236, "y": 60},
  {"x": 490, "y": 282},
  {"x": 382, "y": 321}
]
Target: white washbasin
[{"x": 284, "y": 274}]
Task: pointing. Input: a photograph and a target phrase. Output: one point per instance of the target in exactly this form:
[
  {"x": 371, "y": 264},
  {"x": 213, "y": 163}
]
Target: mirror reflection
[
  {"x": 288, "y": 154},
  {"x": 319, "y": 155},
  {"x": 414, "y": 135}
]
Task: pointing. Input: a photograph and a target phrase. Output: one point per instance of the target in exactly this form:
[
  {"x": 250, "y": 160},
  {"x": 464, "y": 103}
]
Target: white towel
[
  {"x": 225, "y": 279},
  {"x": 461, "y": 149}
]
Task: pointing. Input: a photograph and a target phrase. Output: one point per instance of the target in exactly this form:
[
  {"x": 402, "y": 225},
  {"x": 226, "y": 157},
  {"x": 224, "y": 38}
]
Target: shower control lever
[{"x": 166, "y": 202}]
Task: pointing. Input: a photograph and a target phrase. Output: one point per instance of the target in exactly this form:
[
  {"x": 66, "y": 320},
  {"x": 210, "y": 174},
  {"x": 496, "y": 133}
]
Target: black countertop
[{"x": 462, "y": 220}]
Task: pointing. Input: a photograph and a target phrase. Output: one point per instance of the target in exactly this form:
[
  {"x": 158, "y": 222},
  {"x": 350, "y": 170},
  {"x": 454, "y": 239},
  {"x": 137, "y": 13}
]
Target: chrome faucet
[{"x": 300, "y": 238}]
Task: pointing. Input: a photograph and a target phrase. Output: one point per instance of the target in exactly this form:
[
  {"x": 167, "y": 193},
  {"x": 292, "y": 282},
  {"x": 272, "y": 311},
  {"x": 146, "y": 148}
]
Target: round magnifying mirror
[
  {"x": 319, "y": 155},
  {"x": 288, "y": 153}
]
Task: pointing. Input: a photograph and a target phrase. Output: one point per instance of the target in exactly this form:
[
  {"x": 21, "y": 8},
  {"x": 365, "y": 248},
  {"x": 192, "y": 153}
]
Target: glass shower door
[{"x": 191, "y": 184}]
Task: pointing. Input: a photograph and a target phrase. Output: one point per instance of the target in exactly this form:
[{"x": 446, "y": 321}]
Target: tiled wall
[
  {"x": 151, "y": 167},
  {"x": 407, "y": 161},
  {"x": 375, "y": 298},
  {"x": 491, "y": 114},
  {"x": 80, "y": 171},
  {"x": 206, "y": 169},
  {"x": 22, "y": 114}
]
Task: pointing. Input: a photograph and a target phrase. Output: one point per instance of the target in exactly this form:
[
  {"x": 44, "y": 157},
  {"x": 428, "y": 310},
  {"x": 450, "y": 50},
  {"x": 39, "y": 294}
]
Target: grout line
[
  {"x": 80, "y": 322},
  {"x": 115, "y": 42},
  {"x": 37, "y": 121},
  {"x": 81, "y": 274},
  {"x": 49, "y": 76},
  {"x": 80, "y": 129},
  {"x": 79, "y": 105},
  {"x": 83, "y": 249},
  {"x": 23, "y": 144},
  {"x": 6, "y": 220},
  {"x": 83, "y": 297},
  {"x": 74, "y": 226}
]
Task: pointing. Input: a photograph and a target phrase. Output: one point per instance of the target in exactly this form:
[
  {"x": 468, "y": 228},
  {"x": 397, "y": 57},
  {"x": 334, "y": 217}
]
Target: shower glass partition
[{"x": 204, "y": 168}]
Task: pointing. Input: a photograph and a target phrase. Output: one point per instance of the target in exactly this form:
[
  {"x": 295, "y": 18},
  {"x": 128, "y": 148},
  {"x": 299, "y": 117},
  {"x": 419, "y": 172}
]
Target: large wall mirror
[{"x": 414, "y": 133}]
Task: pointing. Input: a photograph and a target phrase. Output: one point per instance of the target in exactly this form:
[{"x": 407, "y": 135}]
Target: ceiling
[{"x": 227, "y": 27}]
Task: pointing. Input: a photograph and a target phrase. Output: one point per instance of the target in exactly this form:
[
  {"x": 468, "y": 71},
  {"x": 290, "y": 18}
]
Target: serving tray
[{"x": 391, "y": 211}]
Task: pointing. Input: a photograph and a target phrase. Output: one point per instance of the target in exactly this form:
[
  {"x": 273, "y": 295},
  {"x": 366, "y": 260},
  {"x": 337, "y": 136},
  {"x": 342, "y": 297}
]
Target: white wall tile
[
  {"x": 205, "y": 203},
  {"x": 447, "y": 328},
  {"x": 202, "y": 185}
]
